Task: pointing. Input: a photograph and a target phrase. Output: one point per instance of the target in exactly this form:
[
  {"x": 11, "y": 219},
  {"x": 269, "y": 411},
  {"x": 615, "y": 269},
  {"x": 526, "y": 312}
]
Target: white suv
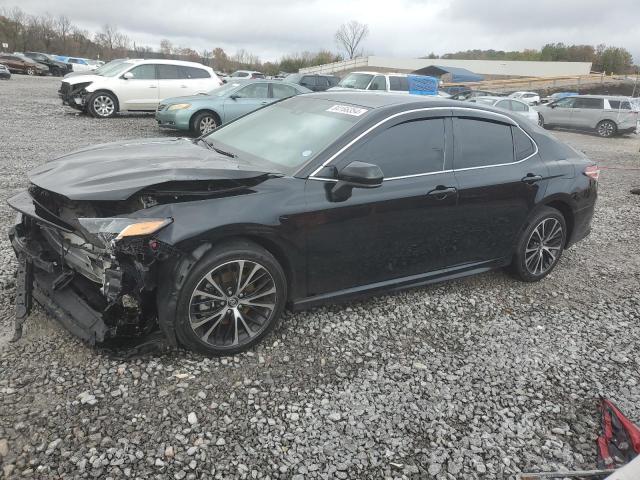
[
  {"x": 136, "y": 85},
  {"x": 530, "y": 98}
]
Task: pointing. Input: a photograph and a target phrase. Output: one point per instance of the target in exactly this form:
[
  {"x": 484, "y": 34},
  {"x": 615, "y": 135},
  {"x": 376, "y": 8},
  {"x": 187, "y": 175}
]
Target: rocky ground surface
[{"x": 479, "y": 378}]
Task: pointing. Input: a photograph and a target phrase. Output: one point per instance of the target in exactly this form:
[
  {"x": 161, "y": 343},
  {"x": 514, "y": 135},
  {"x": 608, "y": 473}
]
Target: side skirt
[{"x": 399, "y": 284}]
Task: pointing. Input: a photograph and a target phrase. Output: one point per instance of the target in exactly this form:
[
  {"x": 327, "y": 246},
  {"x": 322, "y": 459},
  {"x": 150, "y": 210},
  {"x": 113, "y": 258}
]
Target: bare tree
[
  {"x": 349, "y": 37},
  {"x": 63, "y": 27}
]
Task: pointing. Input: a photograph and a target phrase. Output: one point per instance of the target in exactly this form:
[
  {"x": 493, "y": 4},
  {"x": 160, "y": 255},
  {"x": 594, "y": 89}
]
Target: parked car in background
[
  {"x": 557, "y": 96},
  {"x": 606, "y": 115},
  {"x": 5, "y": 74},
  {"x": 467, "y": 94},
  {"x": 532, "y": 98},
  {"x": 97, "y": 70},
  {"x": 314, "y": 82},
  {"x": 18, "y": 63},
  {"x": 201, "y": 114},
  {"x": 80, "y": 64},
  {"x": 317, "y": 198},
  {"x": 136, "y": 85},
  {"x": 243, "y": 75},
  {"x": 511, "y": 104},
  {"x": 56, "y": 67}
]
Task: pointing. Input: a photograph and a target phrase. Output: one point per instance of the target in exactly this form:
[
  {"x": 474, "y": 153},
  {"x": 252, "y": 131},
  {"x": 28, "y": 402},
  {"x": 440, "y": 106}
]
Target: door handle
[
  {"x": 183, "y": 86},
  {"x": 441, "y": 192},
  {"x": 263, "y": 103},
  {"x": 153, "y": 86},
  {"x": 531, "y": 178}
]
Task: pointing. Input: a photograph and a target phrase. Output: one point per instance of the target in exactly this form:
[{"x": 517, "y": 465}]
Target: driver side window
[
  {"x": 566, "y": 102},
  {"x": 144, "y": 72},
  {"x": 378, "y": 83},
  {"x": 255, "y": 90}
]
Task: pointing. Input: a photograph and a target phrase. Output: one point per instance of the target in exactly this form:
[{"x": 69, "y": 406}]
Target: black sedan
[{"x": 314, "y": 199}]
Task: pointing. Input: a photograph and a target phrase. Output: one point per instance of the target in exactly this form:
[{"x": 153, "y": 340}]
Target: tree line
[
  {"x": 58, "y": 35},
  {"x": 609, "y": 59}
]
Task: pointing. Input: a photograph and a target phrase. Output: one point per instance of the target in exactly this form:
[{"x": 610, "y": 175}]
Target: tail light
[{"x": 592, "y": 171}]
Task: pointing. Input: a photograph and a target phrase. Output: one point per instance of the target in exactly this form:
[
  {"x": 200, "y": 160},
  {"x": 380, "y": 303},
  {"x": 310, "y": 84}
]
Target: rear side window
[
  {"x": 522, "y": 144},
  {"x": 193, "y": 72},
  {"x": 168, "y": 72},
  {"x": 620, "y": 105},
  {"x": 398, "y": 84},
  {"x": 283, "y": 91},
  {"x": 409, "y": 148},
  {"x": 595, "y": 103},
  {"x": 518, "y": 106},
  {"x": 478, "y": 143}
]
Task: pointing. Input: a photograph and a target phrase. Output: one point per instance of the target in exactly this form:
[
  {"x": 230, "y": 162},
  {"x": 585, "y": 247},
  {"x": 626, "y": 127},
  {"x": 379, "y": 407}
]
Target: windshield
[
  {"x": 113, "y": 70},
  {"x": 356, "y": 80},
  {"x": 283, "y": 137}
]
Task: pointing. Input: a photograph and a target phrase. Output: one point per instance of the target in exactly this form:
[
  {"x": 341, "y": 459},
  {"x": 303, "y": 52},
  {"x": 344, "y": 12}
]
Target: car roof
[{"x": 165, "y": 61}]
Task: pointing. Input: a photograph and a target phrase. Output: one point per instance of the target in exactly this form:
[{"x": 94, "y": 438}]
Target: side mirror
[
  {"x": 128, "y": 76},
  {"x": 234, "y": 97},
  {"x": 356, "y": 175}
]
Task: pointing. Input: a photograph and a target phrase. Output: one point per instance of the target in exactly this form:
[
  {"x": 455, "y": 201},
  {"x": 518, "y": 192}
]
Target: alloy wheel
[
  {"x": 103, "y": 105},
  {"x": 544, "y": 246},
  {"x": 233, "y": 303},
  {"x": 606, "y": 129},
  {"x": 207, "y": 124},
  {"x": 31, "y": 71}
]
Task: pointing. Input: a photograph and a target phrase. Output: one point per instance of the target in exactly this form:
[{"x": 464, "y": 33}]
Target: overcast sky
[{"x": 271, "y": 28}]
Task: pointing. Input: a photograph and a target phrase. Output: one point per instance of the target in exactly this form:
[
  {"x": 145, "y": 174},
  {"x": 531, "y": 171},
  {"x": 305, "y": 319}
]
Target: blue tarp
[
  {"x": 422, "y": 85},
  {"x": 457, "y": 74}
]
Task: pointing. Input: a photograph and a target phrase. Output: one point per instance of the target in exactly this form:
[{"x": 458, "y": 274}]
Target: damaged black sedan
[{"x": 313, "y": 199}]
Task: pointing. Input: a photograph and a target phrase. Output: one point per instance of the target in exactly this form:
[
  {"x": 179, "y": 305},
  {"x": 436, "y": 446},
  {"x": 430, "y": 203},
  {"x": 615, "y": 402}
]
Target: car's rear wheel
[
  {"x": 204, "y": 123},
  {"x": 606, "y": 128},
  {"x": 541, "y": 120},
  {"x": 540, "y": 245},
  {"x": 103, "y": 105},
  {"x": 231, "y": 299}
]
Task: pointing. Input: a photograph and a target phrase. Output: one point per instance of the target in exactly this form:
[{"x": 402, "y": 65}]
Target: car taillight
[{"x": 592, "y": 172}]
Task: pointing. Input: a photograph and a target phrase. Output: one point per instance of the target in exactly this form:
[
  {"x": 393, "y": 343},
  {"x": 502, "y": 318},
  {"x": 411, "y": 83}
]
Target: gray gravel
[{"x": 478, "y": 378}]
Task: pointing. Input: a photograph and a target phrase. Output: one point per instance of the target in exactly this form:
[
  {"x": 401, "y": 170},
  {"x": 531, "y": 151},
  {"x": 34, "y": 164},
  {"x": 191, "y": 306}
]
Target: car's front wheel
[
  {"x": 102, "y": 105},
  {"x": 540, "y": 245},
  {"x": 204, "y": 123},
  {"x": 31, "y": 71},
  {"x": 231, "y": 299},
  {"x": 606, "y": 128}
]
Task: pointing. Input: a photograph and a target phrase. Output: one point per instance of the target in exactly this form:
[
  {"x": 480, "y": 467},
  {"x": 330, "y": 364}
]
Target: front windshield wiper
[{"x": 210, "y": 146}]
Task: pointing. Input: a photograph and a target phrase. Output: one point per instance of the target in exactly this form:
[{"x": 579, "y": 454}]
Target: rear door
[
  {"x": 247, "y": 99},
  {"x": 500, "y": 176},
  {"x": 587, "y": 112},
  {"x": 172, "y": 82},
  {"x": 141, "y": 91}
]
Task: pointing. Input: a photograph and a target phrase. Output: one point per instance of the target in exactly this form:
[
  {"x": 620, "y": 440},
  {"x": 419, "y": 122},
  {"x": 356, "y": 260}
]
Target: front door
[
  {"x": 399, "y": 229},
  {"x": 246, "y": 100},
  {"x": 559, "y": 113},
  {"x": 141, "y": 91},
  {"x": 500, "y": 176}
]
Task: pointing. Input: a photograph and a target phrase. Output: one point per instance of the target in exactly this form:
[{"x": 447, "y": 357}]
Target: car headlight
[
  {"x": 120, "y": 228},
  {"x": 179, "y": 106}
]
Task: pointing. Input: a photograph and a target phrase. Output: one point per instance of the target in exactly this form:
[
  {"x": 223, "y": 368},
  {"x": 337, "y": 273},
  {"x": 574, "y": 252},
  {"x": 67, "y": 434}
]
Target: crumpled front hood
[{"x": 115, "y": 171}]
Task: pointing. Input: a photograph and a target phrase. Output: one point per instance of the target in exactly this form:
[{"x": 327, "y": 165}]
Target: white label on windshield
[{"x": 347, "y": 110}]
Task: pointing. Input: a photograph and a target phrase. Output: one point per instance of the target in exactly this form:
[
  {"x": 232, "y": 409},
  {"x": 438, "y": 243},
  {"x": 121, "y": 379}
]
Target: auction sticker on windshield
[{"x": 347, "y": 110}]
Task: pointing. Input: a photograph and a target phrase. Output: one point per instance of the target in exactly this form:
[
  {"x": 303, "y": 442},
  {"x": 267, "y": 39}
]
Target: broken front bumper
[{"x": 117, "y": 300}]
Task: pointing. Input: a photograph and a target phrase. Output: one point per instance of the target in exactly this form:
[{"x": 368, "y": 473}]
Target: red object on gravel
[{"x": 619, "y": 442}]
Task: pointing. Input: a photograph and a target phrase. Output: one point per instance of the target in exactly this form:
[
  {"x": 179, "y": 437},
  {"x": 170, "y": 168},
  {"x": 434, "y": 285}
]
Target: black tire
[
  {"x": 31, "y": 71},
  {"x": 525, "y": 260},
  {"x": 606, "y": 128},
  {"x": 229, "y": 334},
  {"x": 204, "y": 122},
  {"x": 541, "y": 120},
  {"x": 102, "y": 105}
]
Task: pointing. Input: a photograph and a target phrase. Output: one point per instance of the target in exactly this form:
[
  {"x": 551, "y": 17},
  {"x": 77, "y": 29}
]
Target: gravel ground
[{"x": 478, "y": 378}]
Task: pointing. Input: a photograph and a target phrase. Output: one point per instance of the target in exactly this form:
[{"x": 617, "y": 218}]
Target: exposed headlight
[
  {"x": 124, "y": 227},
  {"x": 179, "y": 106}
]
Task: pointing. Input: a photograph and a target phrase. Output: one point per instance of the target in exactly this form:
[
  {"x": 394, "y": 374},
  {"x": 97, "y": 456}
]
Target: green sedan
[{"x": 200, "y": 114}]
